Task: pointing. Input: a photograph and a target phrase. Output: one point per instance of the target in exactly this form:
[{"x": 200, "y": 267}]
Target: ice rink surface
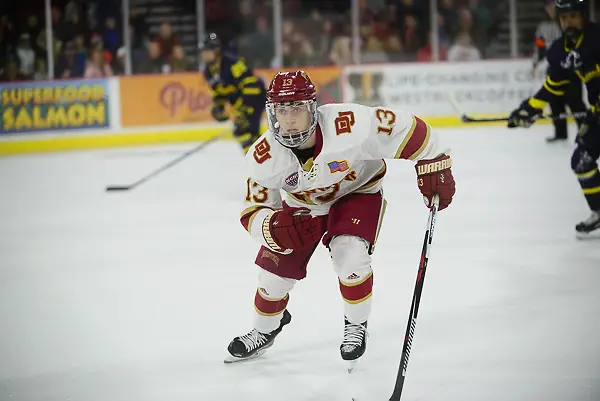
[{"x": 135, "y": 296}]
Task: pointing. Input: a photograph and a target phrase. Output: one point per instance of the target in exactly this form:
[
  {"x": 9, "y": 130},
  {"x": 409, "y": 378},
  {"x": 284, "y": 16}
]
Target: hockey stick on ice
[
  {"x": 414, "y": 308},
  {"x": 468, "y": 119},
  {"x": 185, "y": 155},
  {"x": 563, "y": 116}
]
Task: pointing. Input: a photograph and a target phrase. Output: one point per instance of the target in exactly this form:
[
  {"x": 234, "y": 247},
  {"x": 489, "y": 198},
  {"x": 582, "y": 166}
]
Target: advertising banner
[
  {"x": 164, "y": 99},
  {"x": 490, "y": 87},
  {"x": 54, "y": 106},
  {"x": 152, "y": 100}
]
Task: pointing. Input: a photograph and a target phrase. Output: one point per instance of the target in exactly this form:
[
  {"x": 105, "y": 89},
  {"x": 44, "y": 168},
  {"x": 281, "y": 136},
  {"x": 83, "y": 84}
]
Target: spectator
[
  {"x": 69, "y": 65},
  {"x": 97, "y": 67},
  {"x": 463, "y": 49},
  {"x": 110, "y": 36},
  {"x": 73, "y": 7},
  {"x": 260, "y": 45},
  {"x": 301, "y": 51},
  {"x": 58, "y": 25},
  {"x": 166, "y": 41},
  {"x": 410, "y": 34},
  {"x": 447, "y": 10},
  {"x": 178, "y": 61},
  {"x": 341, "y": 46},
  {"x": 26, "y": 55},
  {"x": 150, "y": 62},
  {"x": 41, "y": 72},
  {"x": 33, "y": 28},
  {"x": 56, "y": 44},
  {"x": 318, "y": 30},
  {"x": 373, "y": 51},
  {"x": 465, "y": 21},
  {"x": 425, "y": 53},
  {"x": 381, "y": 27},
  {"x": 7, "y": 34},
  {"x": 393, "y": 46},
  {"x": 119, "y": 64},
  {"x": 73, "y": 26},
  {"x": 11, "y": 72},
  {"x": 97, "y": 43},
  {"x": 139, "y": 28},
  {"x": 444, "y": 37},
  {"x": 244, "y": 21},
  {"x": 483, "y": 20}
]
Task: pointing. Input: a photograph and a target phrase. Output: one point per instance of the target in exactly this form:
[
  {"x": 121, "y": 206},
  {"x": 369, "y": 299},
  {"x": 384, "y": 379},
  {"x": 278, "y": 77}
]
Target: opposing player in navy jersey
[
  {"x": 233, "y": 82},
  {"x": 576, "y": 51}
]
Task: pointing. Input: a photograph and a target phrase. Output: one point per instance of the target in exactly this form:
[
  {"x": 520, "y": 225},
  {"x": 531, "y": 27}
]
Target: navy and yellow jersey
[
  {"x": 583, "y": 59},
  {"x": 232, "y": 81}
]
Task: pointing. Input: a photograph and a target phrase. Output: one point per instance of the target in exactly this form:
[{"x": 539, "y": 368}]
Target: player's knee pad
[
  {"x": 271, "y": 300},
  {"x": 581, "y": 161},
  {"x": 352, "y": 263},
  {"x": 272, "y": 286},
  {"x": 350, "y": 256}
]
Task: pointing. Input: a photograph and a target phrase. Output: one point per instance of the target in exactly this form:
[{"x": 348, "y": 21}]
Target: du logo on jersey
[
  {"x": 573, "y": 60},
  {"x": 337, "y": 166}
]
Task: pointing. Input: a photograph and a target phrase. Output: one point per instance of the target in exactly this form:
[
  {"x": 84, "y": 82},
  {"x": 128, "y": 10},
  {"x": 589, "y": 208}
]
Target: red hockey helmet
[{"x": 292, "y": 108}]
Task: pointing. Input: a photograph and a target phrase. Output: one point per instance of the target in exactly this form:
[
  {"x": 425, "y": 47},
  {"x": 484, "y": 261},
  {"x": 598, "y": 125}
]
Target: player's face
[
  {"x": 292, "y": 119},
  {"x": 571, "y": 19},
  {"x": 209, "y": 56}
]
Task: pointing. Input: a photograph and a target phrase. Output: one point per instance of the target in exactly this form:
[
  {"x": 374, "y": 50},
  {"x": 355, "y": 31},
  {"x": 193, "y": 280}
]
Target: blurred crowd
[
  {"x": 87, "y": 42},
  {"x": 319, "y": 32},
  {"x": 87, "y": 38}
]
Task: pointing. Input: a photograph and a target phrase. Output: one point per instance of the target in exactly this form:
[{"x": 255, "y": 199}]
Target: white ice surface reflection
[{"x": 135, "y": 296}]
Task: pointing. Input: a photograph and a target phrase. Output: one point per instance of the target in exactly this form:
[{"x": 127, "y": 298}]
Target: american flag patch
[{"x": 336, "y": 166}]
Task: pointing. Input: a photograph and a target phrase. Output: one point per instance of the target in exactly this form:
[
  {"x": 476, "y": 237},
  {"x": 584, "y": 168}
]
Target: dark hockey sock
[{"x": 590, "y": 185}]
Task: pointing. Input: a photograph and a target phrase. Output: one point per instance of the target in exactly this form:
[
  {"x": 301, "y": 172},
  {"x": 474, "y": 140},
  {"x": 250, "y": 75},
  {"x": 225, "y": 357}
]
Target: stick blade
[{"x": 116, "y": 188}]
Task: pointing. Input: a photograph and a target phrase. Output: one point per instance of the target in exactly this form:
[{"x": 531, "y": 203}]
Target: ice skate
[
  {"x": 254, "y": 344},
  {"x": 554, "y": 139},
  {"x": 354, "y": 344},
  {"x": 589, "y": 226}
]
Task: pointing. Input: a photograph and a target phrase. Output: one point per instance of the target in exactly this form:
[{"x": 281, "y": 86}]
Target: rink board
[
  {"x": 160, "y": 109},
  {"x": 45, "y": 144}
]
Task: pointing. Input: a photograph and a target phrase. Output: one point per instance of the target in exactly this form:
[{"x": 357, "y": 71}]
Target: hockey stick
[
  {"x": 563, "y": 116},
  {"x": 468, "y": 119},
  {"x": 185, "y": 155},
  {"x": 414, "y": 308}
]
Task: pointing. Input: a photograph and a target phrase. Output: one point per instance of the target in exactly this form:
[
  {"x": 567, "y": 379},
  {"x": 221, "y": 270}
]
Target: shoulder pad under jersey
[{"x": 268, "y": 161}]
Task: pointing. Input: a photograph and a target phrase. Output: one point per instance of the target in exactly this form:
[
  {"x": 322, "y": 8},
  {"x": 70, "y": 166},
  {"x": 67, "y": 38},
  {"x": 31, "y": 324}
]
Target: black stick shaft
[
  {"x": 414, "y": 308},
  {"x": 467, "y": 119},
  {"x": 168, "y": 165}
]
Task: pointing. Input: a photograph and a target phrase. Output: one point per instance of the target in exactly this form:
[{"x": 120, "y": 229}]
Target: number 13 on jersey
[{"x": 387, "y": 118}]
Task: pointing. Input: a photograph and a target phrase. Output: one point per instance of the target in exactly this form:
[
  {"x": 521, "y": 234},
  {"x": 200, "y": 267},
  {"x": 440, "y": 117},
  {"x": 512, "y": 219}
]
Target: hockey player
[
  {"x": 329, "y": 161},
  {"x": 577, "y": 51},
  {"x": 233, "y": 81},
  {"x": 547, "y": 32}
]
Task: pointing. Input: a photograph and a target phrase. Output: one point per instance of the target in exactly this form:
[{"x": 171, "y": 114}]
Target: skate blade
[
  {"x": 234, "y": 359},
  {"x": 352, "y": 365},
  {"x": 593, "y": 235}
]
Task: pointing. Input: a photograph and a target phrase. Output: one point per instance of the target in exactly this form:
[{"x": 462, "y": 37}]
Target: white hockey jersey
[{"x": 352, "y": 143}]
